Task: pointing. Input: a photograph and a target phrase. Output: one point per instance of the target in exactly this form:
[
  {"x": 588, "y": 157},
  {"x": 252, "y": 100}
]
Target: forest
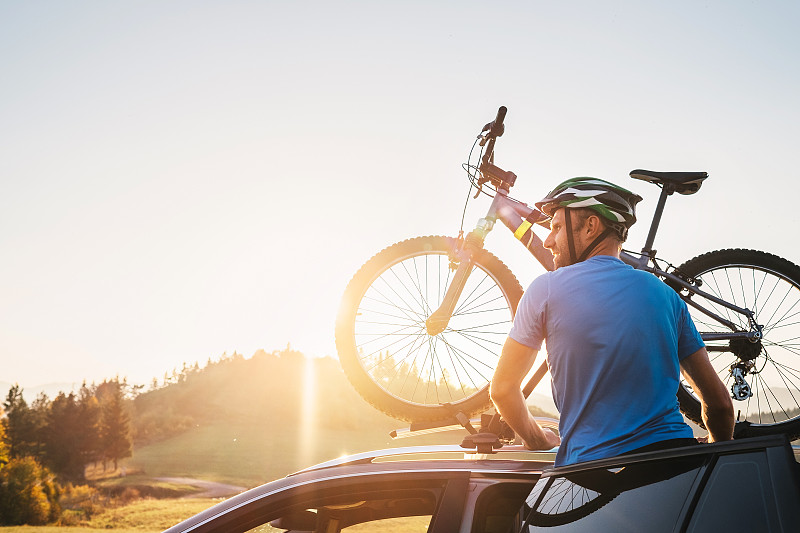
[{"x": 46, "y": 446}]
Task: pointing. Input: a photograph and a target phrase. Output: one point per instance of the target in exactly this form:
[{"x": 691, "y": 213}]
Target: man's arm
[
  {"x": 714, "y": 398},
  {"x": 513, "y": 215},
  {"x": 506, "y": 392}
]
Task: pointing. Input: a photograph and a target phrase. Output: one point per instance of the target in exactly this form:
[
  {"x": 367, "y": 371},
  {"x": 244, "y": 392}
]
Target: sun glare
[{"x": 308, "y": 417}]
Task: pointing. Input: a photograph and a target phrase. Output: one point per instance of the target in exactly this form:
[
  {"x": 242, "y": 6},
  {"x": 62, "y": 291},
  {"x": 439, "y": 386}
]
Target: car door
[{"x": 434, "y": 500}]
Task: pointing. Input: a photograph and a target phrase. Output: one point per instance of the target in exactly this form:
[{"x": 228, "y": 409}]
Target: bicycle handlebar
[{"x": 500, "y": 178}]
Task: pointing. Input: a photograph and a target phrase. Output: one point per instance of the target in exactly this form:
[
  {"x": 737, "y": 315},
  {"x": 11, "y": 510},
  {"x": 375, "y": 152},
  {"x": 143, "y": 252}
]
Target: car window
[
  {"x": 499, "y": 508},
  {"x": 738, "y": 482},
  {"x": 639, "y": 497},
  {"x": 386, "y": 508},
  {"x": 404, "y": 524}
]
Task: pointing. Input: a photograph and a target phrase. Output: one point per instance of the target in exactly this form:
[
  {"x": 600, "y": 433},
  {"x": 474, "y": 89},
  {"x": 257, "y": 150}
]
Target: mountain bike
[{"x": 422, "y": 323}]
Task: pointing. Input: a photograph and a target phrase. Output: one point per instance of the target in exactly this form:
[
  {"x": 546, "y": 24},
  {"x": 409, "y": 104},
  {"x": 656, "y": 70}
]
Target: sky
[{"x": 180, "y": 180}]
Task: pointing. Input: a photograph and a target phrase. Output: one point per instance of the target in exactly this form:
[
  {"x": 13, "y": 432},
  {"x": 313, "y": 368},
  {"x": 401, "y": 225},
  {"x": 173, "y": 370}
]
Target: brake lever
[
  {"x": 481, "y": 181},
  {"x": 494, "y": 130},
  {"x": 491, "y": 131}
]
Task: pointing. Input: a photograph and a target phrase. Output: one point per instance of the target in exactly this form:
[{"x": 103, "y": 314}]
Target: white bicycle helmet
[{"x": 616, "y": 205}]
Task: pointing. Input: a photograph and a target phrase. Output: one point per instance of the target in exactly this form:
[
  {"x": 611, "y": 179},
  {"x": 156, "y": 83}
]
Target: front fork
[{"x": 437, "y": 322}]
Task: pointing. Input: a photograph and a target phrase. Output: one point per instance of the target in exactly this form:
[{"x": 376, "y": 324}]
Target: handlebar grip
[
  {"x": 497, "y": 125},
  {"x": 501, "y": 116},
  {"x": 496, "y": 128}
]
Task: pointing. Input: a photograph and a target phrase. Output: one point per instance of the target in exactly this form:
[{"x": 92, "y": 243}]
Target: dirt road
[{"x": 210, "y": 489}]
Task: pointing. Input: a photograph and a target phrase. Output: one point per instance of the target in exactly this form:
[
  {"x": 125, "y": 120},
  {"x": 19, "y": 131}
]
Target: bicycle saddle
[{"x": 684, "y": 182}]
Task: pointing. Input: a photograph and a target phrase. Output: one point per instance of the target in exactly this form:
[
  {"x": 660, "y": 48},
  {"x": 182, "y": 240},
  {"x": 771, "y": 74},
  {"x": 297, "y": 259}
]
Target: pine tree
[
  {"x": 64, "y": 436},
  {"x": 114, "y": 422},
  {"x": 19, "y": 424},
  {"x": 90, "y": 446}
]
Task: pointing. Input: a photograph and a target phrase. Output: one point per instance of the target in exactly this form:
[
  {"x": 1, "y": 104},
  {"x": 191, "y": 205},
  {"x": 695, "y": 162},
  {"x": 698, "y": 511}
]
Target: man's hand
[
  {"x": 717, "y": 407},
  {"x": 546, "y": 441}
]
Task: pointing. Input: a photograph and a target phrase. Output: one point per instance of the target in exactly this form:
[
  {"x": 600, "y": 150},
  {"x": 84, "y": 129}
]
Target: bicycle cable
[
  {"x": 475, "y": 181},
  {"x": 467, "y": 166}
]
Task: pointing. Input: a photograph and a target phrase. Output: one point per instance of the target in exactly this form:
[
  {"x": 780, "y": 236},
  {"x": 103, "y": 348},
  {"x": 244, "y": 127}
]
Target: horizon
[{"x": 202, "y": 364}]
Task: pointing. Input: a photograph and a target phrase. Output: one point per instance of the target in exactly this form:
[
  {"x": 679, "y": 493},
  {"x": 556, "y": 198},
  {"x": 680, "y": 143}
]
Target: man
[{"x": 617, "y": 339}]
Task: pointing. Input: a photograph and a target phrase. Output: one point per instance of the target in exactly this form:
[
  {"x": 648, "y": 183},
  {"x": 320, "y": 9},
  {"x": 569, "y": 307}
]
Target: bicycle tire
[
  {"x": 388, "y": 355},
  {"x": 769, "y": 286}
]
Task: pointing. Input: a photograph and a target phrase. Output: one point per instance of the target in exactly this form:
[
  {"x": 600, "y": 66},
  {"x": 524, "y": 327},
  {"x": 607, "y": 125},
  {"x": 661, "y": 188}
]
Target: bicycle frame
[
  {"x": 647, "y": 256},
  {"x": 646, "y": 261}
]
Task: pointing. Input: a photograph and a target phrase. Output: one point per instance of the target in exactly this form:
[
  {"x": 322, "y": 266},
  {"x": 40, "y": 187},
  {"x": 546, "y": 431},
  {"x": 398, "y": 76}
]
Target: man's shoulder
[{"x": 608, "y": 271}]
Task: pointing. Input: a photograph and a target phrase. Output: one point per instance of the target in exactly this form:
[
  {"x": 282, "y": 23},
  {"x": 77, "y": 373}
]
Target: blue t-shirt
[{"x": 614, "y": 337}]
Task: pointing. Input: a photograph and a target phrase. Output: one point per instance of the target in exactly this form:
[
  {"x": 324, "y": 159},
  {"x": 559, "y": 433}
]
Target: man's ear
[{"x": 594, "y": 226}]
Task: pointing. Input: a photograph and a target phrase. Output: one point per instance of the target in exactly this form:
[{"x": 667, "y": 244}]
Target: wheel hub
[{"x": 745, "y": 349}]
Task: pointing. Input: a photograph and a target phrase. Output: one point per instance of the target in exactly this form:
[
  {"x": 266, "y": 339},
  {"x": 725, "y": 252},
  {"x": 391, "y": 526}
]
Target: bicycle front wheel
[
  {"x": 770, "y": 287},
  {"x": 385, "y": 349}
]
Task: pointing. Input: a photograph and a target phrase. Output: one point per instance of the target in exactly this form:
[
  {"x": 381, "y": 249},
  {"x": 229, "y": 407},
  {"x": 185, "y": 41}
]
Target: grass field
[
  {"x": 151, "y": 516},
  {"x": 247, "y": 454},
  {"x": 141, "y": 516}
]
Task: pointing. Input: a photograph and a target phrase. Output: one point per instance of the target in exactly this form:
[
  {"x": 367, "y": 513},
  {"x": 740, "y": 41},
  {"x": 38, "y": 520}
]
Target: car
[
  {"x": 434, "y": 488},
  {"x": 741, "y": 485}
]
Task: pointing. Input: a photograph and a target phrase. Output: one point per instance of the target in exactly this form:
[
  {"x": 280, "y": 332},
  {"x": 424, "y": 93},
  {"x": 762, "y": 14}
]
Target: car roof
[
  {"x": 418, "y": 462},
  {"x": 509, "y": 455}
]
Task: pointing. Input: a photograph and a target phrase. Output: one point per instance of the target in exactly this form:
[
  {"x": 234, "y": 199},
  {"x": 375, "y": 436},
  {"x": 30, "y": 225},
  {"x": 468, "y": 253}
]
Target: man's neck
[{"x": 608, "y": 246}]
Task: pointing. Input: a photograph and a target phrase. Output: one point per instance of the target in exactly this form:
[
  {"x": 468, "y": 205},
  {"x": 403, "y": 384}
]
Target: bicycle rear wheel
[
  {"x": 770, "y": 287},
  {"x": 383, "y": 345}
]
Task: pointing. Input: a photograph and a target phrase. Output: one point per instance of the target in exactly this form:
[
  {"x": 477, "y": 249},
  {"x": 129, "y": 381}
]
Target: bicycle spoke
[
  {"x": 473, "y": 328},
  {"x": 402, "y": 332},
  {"x": 789, "y": 382},
  {"x": 473, "y": 339},
  {"x": 367, "y": 310},
  {"x": 409, "y": 313},
  {"x": 390, "y": 334},
  {"x": 771, "y": 292},
  {"x": 471, "y": 372},
  {"x": 454, "y": 366},
  {"x": 771, "y": 328},
  {"x": 467, "y": 357},
  {"x": 463, "y": 362},
  {"x": 409, "y": 310},
  {"x": 505, "y": 309},
  {"x": 469, "y": 298},
  {"x": 411, "y": 294},
  {"x": 786, "y": 313},
  {"x": 470, "y": 311},
  {"x": 386, "y": 347}
]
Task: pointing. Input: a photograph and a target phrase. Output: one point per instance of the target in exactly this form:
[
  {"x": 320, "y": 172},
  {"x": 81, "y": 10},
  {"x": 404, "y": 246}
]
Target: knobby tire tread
[{"x": 689, "y": 404}]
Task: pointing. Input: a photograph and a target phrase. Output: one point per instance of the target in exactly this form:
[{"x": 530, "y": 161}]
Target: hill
[{"x": 247, "y": 421}]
